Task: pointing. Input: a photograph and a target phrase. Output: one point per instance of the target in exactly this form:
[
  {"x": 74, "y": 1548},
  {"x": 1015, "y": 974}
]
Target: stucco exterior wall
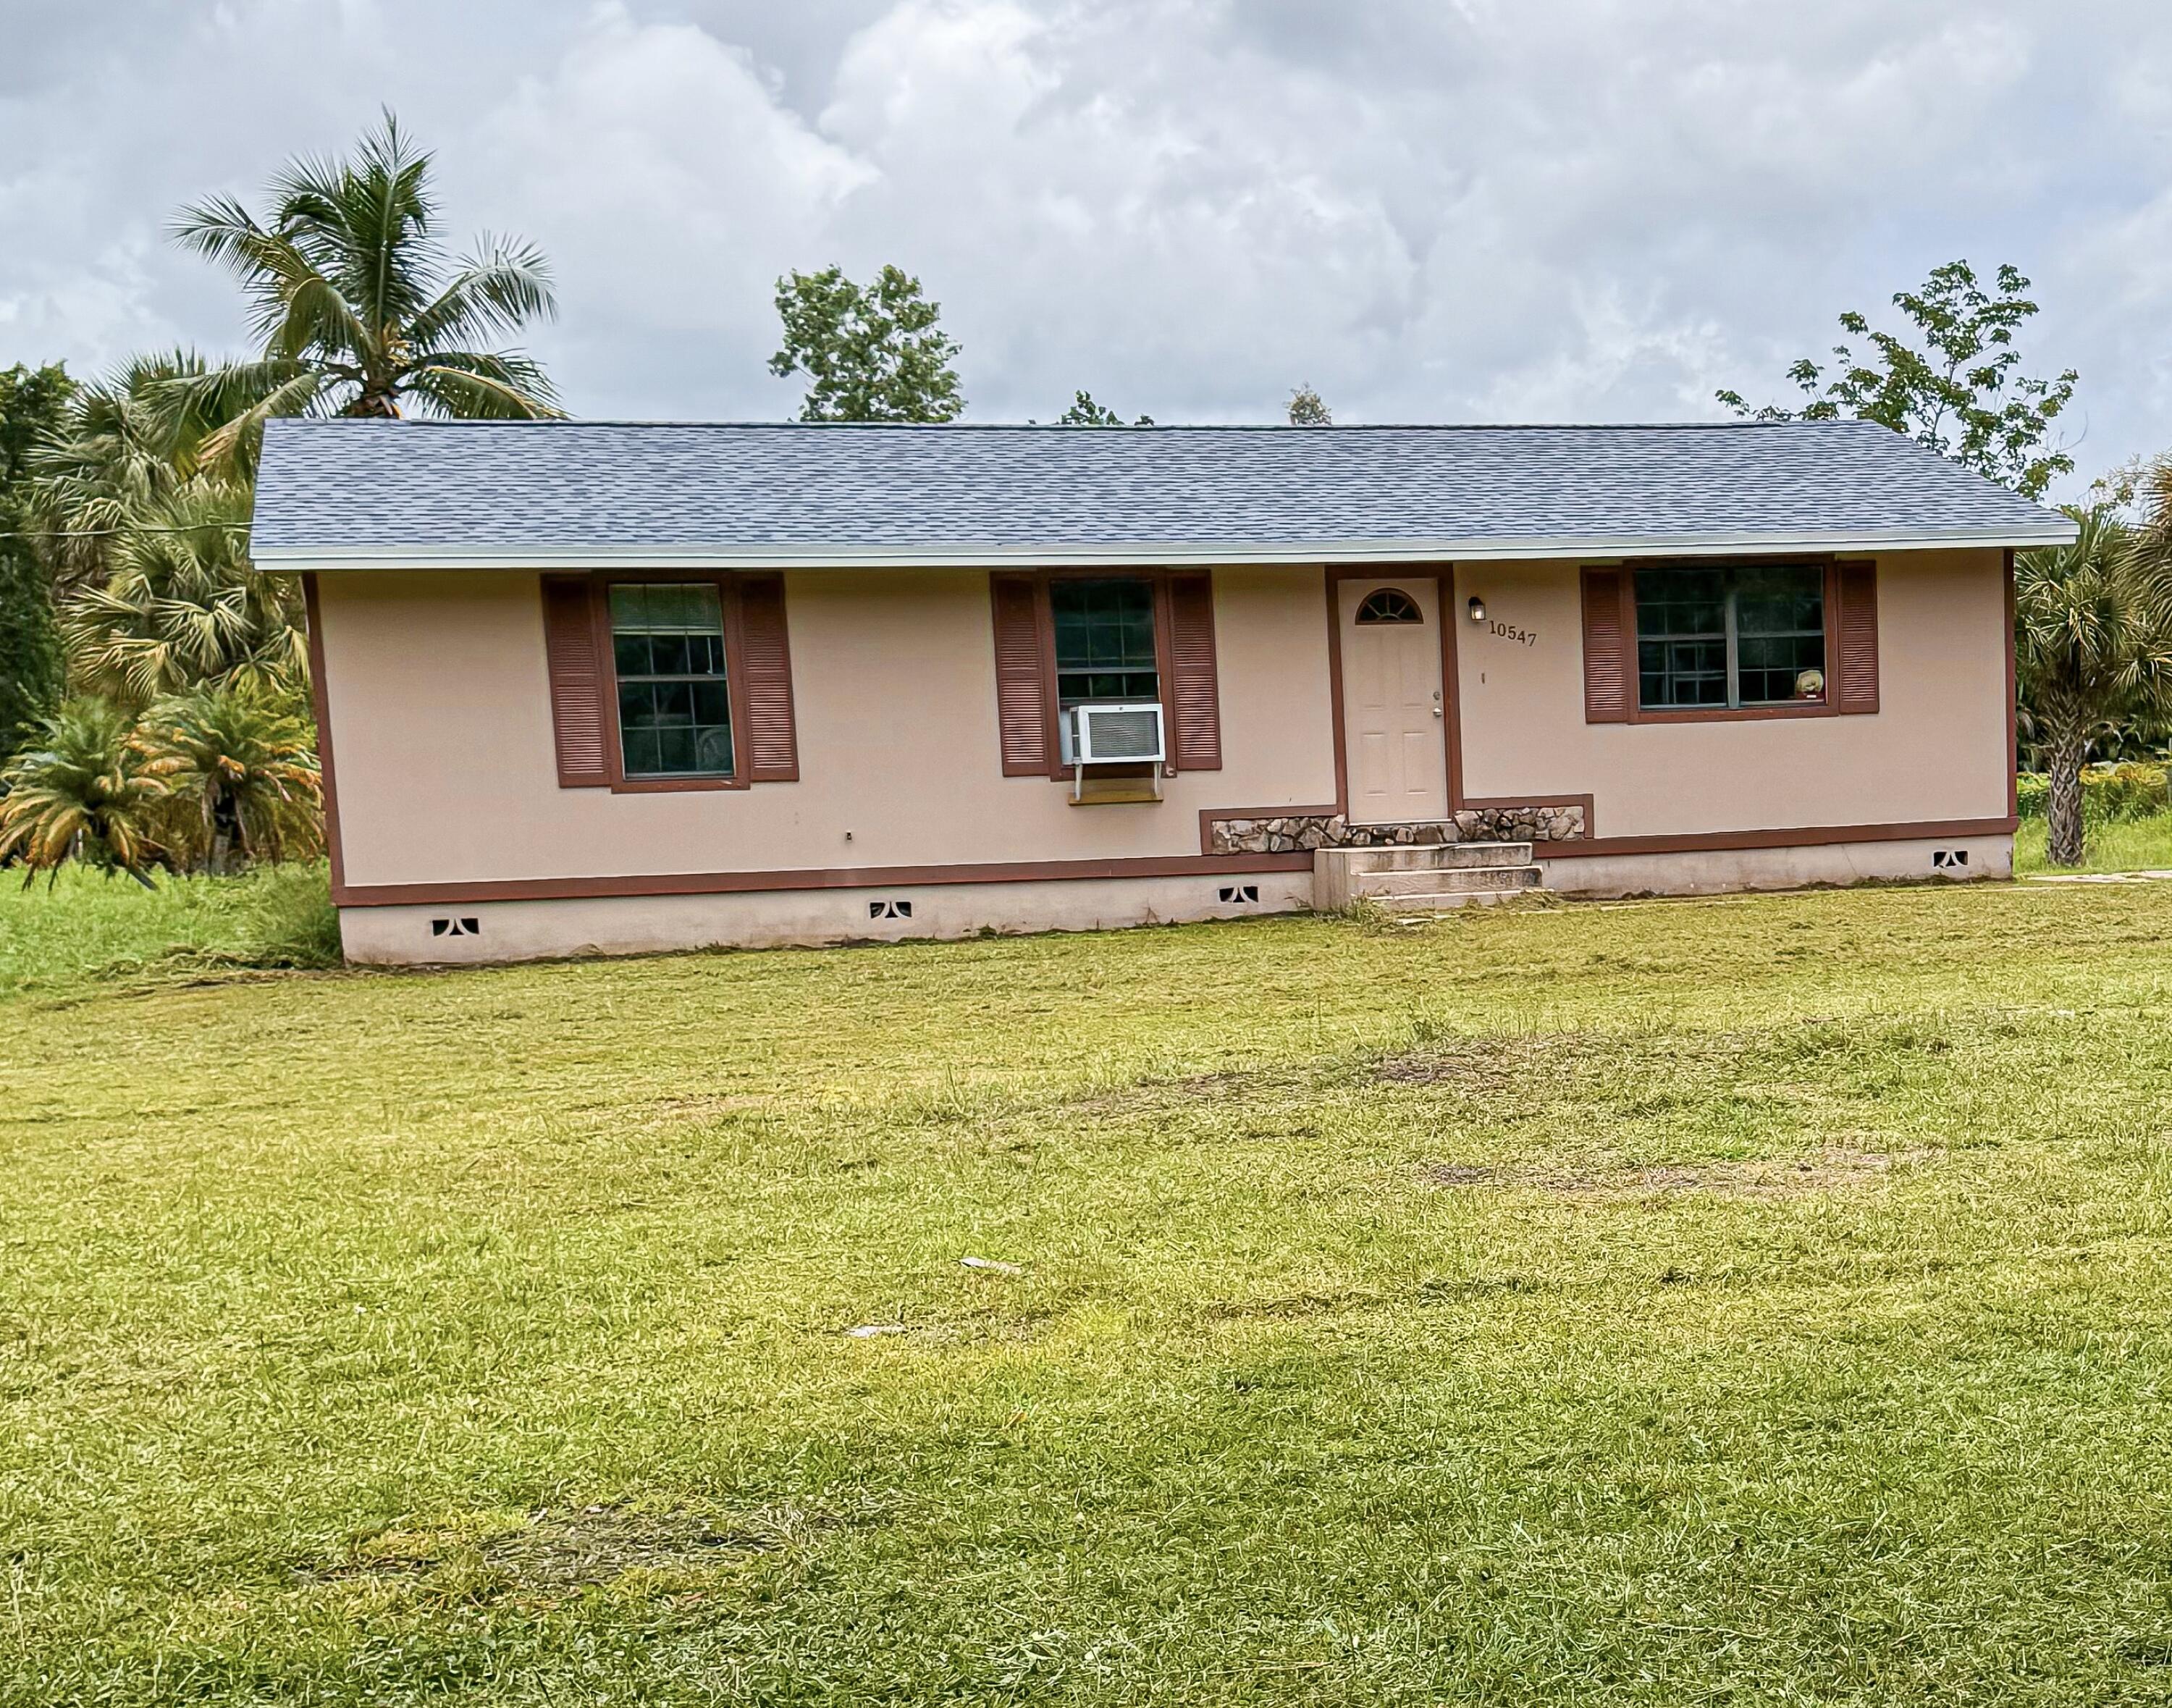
[
  {"x": 440, "y": 713},
  {"x": 1934, "y": 751}
]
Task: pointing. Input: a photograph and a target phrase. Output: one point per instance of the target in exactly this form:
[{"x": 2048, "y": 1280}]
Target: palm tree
[
  {"x": 130, "y": 442},
  {"x": 81, "y": 791},
  {"x": 238, "y": 767},
  {"x": 179, "y": 605},
  {"x": 2092, "y": 644},
  {"x": 356, "y": 306}
]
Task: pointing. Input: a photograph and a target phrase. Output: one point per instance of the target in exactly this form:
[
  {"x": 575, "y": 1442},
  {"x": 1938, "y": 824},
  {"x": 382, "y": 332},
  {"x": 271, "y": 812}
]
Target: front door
[{"x": 1394, "y": 721}]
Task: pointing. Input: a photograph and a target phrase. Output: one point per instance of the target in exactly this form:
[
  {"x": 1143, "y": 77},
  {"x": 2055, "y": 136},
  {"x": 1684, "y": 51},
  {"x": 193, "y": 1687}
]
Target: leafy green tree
[
  {"x": 237, "y": 766},
  {"x": 870, "y": 353},
  {"x": 356, "y": 306},
  {"x": 1949, "y": 382},
  {"x": 80, "y": 791},
  {"x": 1085, "y": 413},
  {"x": 2093, "y": 645},
  {"x": 180, "y": 606},
  {"x": 33, "y": 405},
  {"x": 1307, "y": 408}
]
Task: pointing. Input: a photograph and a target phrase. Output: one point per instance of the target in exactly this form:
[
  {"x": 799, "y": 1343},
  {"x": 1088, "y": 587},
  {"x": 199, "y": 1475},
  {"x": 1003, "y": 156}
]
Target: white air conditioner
[
  {"x": 1121, "y": 734},
  {"x": 1114, "y": 733}
]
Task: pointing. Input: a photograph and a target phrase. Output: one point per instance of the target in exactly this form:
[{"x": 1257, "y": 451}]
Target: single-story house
[{"x": 617, "y": 686}]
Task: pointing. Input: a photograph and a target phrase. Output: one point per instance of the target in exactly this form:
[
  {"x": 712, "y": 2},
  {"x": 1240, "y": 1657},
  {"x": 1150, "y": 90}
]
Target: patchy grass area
[
  {"x": 1742, "y": 1301},
  {"x": 2134, "y": 845},
  {"x": 83, "y": 929}
]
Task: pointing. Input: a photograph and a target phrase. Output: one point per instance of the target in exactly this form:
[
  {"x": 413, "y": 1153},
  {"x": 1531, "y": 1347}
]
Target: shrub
[
  {"x": 80, "y": 792},
  {"x": 283, "y": 916},
  {"x": 2111, "y": 794}
]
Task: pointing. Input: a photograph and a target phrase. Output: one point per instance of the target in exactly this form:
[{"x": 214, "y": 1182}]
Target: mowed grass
[{"x": 1734, "y": 1302}]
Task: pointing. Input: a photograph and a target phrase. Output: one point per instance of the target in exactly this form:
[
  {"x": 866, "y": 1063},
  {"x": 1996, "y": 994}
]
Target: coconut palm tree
[
  {"x": 180, "y": 606},
  {"x": 2092, "y": 644},
  {"x": 356, "y": 306},
  {"x": 238, "y": 769},
  {"x": 81, "y": 791}
]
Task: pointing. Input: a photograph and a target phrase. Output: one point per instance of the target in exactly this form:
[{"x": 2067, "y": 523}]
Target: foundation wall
[
  {"x": 1715, "y": 872},
  {"x": 516, "y": 931}
]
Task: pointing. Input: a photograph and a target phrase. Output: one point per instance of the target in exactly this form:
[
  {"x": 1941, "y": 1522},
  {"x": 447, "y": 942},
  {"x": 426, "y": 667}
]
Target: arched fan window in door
[{"x": 1389, "y": 605}]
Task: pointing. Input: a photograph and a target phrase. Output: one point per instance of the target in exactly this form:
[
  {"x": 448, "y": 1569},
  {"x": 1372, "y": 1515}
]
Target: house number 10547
[{"x": 1509, "y": 632}]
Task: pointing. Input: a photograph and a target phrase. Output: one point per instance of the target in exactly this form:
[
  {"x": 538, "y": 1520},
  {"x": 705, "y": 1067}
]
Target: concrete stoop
[{"x": 1411, "y": 880}]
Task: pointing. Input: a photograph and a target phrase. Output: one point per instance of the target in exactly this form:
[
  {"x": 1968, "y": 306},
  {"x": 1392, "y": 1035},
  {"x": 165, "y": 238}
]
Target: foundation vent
[
  {"x": 1237, "y": 895},
  {"x": 455, "y": 927},
  {"x": 1949, "y": 859},
  {"x": 890, "y": 910}
]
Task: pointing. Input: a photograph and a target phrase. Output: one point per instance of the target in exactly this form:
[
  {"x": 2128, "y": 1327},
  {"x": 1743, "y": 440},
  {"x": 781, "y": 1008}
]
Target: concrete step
[
  {"x": 1406, "y": 904},
  {"x": 1439, "y": 881},
  {"x": 1436, "y": 857}
]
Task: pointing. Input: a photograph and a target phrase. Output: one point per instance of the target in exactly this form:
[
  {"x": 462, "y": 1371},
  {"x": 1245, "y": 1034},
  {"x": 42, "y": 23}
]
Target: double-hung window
[
  {"x": 669, "y": 682},
  {"x": 1727, "y": 637},
  {"x": 675, "y": 701},
  {"x": 1105, "y": 649}
]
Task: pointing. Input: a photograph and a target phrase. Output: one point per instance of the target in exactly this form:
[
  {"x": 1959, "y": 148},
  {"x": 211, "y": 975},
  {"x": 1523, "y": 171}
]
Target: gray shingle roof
[{"x": 334, "y": 493}]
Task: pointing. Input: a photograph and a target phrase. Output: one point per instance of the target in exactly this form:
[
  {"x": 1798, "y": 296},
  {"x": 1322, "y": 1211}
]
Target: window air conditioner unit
[{"x": 1117, "y": 732}]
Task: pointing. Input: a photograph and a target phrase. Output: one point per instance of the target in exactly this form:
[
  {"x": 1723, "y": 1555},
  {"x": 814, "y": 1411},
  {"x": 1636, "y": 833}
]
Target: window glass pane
[
  {"x": 673, "y": 698},
  {"x": 1780, "y": 633},
  {"x": 1104, "y": 639},
  {"x": 1681, "y": 636},
  {"x": 1775, "y": 613}
]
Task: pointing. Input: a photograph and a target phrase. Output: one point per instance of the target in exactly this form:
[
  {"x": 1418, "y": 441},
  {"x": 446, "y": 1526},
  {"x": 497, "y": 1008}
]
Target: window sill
[
  {"x": 668, "y": 785},
  {"x": 1729, "y": 714},
  {"x": 1124, "y": 792}
]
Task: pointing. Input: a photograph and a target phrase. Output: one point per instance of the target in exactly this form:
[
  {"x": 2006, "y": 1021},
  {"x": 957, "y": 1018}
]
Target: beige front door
[{"x": 1394, "y": 728}]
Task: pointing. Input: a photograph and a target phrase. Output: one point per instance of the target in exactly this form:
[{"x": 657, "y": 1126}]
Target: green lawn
[
  {"x": 88, "y": 930},
  {"x": 1736, "y": 1302},
  {"x": 2139, "y": 845}
]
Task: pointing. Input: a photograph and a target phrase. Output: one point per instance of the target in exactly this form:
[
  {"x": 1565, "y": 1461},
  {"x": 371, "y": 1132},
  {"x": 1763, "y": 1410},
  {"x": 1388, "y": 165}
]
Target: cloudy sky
[{"x": 1432, "y": 210}]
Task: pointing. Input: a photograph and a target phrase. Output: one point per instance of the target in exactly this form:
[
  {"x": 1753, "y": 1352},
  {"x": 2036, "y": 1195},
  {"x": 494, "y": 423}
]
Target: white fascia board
[{"x": 2053, "y": 530}]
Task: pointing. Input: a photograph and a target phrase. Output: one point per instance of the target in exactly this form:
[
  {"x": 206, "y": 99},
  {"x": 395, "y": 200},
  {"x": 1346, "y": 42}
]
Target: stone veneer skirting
[{"x": 1539, "y": 822}]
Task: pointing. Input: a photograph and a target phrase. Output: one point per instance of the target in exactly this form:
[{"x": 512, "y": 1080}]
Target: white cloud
[
  {"x": 1597, "y": 208},
  {"x": 657, "y": 166}
]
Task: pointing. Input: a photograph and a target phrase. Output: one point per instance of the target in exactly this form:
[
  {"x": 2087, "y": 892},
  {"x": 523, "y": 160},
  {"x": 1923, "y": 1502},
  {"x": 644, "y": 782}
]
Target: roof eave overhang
[{"x": 2053, "y": 530}]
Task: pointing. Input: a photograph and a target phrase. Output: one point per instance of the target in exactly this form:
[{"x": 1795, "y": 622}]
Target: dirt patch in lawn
[
  {"x": 1830, "y": 1171},
  {"x": 1483, "y": 1064},
  {"x": 594, "y": 1544}
]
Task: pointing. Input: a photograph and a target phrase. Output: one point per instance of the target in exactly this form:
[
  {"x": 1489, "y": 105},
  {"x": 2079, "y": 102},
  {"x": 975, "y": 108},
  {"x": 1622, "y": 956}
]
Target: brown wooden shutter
[
  {"x": 577, "y": 684},
  {"x": 1022, "y": 706},
  {"x": 1194, "y": 697},
  {"x": 1608, "y": 679},
  {"x": 1856, "y": 654},
  {"x": 772, "y": 747}
]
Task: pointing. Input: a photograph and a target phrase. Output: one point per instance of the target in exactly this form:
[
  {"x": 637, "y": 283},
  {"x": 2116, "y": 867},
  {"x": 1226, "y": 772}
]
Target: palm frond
[
  {"x": 231, "y": 450},
  {"x": 500, "y": 288},
  {"x": 462, "y": 383}
]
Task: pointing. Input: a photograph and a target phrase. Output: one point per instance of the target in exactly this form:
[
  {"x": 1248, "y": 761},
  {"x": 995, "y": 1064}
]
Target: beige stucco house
[{"x": 613, "y": 686}]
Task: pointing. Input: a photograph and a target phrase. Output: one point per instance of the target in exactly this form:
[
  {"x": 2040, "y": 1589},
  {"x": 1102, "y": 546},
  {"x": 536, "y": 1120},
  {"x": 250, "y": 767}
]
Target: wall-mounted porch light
[{"x": 1477, "y": 609}]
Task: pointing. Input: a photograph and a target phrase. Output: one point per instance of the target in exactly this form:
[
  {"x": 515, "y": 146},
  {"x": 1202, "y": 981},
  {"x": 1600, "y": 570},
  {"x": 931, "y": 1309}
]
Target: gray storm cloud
[{"x": 1484, "y": 210}]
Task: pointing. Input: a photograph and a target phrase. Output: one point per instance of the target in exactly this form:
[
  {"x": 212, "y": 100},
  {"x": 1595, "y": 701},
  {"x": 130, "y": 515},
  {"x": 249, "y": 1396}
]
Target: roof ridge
[{"x": 1031, "y": 426}]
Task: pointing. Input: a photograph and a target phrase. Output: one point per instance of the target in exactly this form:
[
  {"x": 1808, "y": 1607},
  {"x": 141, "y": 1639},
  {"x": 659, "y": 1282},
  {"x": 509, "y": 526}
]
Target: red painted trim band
[
  {"x": 1805, "y": 836},
  {"x": 836, "y": 878}
]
